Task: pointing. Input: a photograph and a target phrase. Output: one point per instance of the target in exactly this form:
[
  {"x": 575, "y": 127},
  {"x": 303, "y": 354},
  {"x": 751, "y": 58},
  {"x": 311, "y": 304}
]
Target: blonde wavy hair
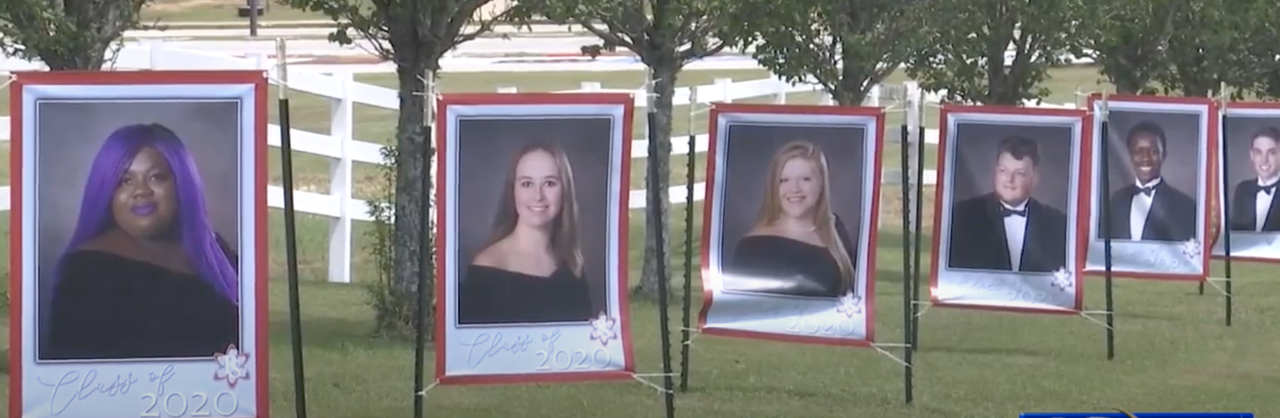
[{"x": 824, "y": 220}]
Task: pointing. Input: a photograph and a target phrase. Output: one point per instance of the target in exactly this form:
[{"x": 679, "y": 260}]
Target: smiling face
[
  {"x": 1014, "y": 179},
  {"x": 538, "y": 189},
  {"x": 1146, "y": 156},
  {"x": 799, "y": 187},
  {"x": 1265, "y": 155},
  {"x": 145, "y": 202}
]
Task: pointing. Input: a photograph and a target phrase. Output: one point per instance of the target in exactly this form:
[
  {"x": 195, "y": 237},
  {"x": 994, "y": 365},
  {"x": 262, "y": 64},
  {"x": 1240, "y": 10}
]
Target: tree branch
[{"x": 608, "y": 36}]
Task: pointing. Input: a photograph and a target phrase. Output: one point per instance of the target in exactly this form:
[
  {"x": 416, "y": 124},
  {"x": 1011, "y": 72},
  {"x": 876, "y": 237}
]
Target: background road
[{"x": 483, "y": 46}]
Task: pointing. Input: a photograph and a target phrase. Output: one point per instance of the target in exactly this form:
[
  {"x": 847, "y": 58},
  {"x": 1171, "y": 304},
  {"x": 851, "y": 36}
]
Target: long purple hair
[{"x": 204, "y": 249}]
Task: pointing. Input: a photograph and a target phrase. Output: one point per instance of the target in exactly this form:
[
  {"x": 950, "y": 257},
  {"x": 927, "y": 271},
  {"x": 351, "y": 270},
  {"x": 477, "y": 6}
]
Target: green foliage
[
  {"x": 393, "y": 305},
  {"x": 846, "y": 46},
  {"x": 1259, "y": 67},
  {"x": 967, "y": 40},
  {"x": 1209, "y": 46},
  {"x": 414, "y": 32},
  {"x": 1128, "y": 40},
  {"x": 663, "y": 33},
  {"x": 66, "y": 34}
]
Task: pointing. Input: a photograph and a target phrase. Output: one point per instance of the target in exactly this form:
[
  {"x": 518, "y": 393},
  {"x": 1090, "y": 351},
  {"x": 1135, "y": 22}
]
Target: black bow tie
[
  {"x": 1006, "y": 212},
  {"x": 1268, "y": 189},
  {"x": 1147, "y": 190}
]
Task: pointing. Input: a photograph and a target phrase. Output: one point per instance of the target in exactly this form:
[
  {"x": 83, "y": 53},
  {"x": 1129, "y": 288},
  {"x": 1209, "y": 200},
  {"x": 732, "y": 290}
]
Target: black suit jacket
[
  {"x": 1243, "y": 202},
  {"x": 978, "y": 237},
  {"x": 1172, "y": 216}
]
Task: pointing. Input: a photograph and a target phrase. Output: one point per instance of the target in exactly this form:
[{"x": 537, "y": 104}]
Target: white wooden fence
[{"x": 343, "y": 150}]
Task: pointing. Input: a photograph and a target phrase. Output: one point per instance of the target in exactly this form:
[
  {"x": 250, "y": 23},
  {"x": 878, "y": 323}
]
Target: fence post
[
  {"x": 726, "y": 89},
  {"x": 260, "y": 61},
  {"x": 341, "y": 120},
  {"x": 154, "y": 48},
  {"x": 915, "y": 112},
  {"x": 873, "y": 96},
  {"x": 781, "y": 87}
]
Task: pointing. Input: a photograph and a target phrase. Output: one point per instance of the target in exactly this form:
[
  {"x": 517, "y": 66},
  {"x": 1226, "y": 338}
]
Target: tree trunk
[
  {"x": 1001, "y": 85},
  {"x": 657, "y": 200},
  {"x": 412, "y": 173},
  {"x": 84, "y": 58},
  {"x": 1129, "y": 68},
  {"x": 850, "y": 90}
]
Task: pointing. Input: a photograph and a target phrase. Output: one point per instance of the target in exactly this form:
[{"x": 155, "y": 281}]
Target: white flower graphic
[
  {"x": 233, "y": 366},
  {"x": 850, "y": 305},
  {"x": 1063, "y": 280},
  {"x": 1191, "y": 249},
  {"x": 602, "y": 329}
]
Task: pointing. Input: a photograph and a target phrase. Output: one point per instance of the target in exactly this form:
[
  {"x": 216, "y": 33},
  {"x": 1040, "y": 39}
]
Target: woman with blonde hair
[
  {"x": 530, "y": 271},
  {"x": 798, "y": 246}
]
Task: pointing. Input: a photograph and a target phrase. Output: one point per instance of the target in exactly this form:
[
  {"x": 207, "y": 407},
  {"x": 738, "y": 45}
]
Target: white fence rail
[{"x": 343, "y": 150}]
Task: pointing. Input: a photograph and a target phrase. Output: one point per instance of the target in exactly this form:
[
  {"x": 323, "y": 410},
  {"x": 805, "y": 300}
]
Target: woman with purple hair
[{"x": 144, "y": 275}]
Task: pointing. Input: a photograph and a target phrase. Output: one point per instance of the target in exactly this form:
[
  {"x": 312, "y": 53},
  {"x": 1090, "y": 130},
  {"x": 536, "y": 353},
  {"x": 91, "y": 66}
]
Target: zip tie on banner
[
  {"x": 1087, "y": 315},
  {"x": 424, "y": 391},
  {"x": 879, "y": 347},
  {"x": 693, "y": 333},
  {"x": 926, "y": 304},
  {"x": 9, "y": 78},
  {"x": 1215, "y": 285},
  {"x": 641, "y": 378}
]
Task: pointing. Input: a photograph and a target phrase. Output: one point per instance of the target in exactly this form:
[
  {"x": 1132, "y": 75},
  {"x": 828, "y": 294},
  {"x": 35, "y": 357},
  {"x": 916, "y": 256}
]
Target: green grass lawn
[{"x": 1172, "y": 351}]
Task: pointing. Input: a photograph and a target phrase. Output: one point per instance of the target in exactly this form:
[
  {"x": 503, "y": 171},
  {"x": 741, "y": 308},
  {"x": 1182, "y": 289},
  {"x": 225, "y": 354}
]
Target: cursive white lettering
[
  {"x": 73, "y": 386},
  {"x": 161, "y": 379},
  {"x": 486, "y": 346}
]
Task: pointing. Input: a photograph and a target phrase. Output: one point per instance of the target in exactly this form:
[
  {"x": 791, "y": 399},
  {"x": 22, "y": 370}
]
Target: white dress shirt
[
  {"x": 1015, "y": 231},
  {"x": 1140, "y": 208},
  {"x": 1262, "y": 204}
]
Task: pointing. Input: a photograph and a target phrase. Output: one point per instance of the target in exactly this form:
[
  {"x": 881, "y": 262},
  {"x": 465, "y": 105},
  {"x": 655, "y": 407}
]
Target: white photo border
[
  {"x": 191, "y": 378},
  {"x": 462, "y": 345},
  {"x": 1244, "y": 244},
  {"x": 790, "y": 316},
  {"x": 1149, "y": 257},
  {"x": 986, "y": 288}
]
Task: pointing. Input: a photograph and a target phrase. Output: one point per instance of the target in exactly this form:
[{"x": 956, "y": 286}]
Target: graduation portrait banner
[
  {"x": 790, "y": 223},
  {"x": 139, "y": 218},
  {"x": 532, "y": 191},
  {"x": 1005, "y": 217},
  {"x": 1159, "y": 152},
  {"x": 1250, "y": 170}
]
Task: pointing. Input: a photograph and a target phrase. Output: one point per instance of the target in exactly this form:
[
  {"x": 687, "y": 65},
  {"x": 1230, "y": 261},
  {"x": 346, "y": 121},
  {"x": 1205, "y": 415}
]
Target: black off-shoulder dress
[
  {"x": 106, "y": 306},
  {"x": 490, "y": 295},
  {"x": 783, "y": 266}
]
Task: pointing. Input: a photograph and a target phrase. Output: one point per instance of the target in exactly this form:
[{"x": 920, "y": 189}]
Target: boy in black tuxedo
[
  {"x": 1254, "y": 207},
  {"x": 1007, "y": 229},
  {"x": 1150, "y": 209}
]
